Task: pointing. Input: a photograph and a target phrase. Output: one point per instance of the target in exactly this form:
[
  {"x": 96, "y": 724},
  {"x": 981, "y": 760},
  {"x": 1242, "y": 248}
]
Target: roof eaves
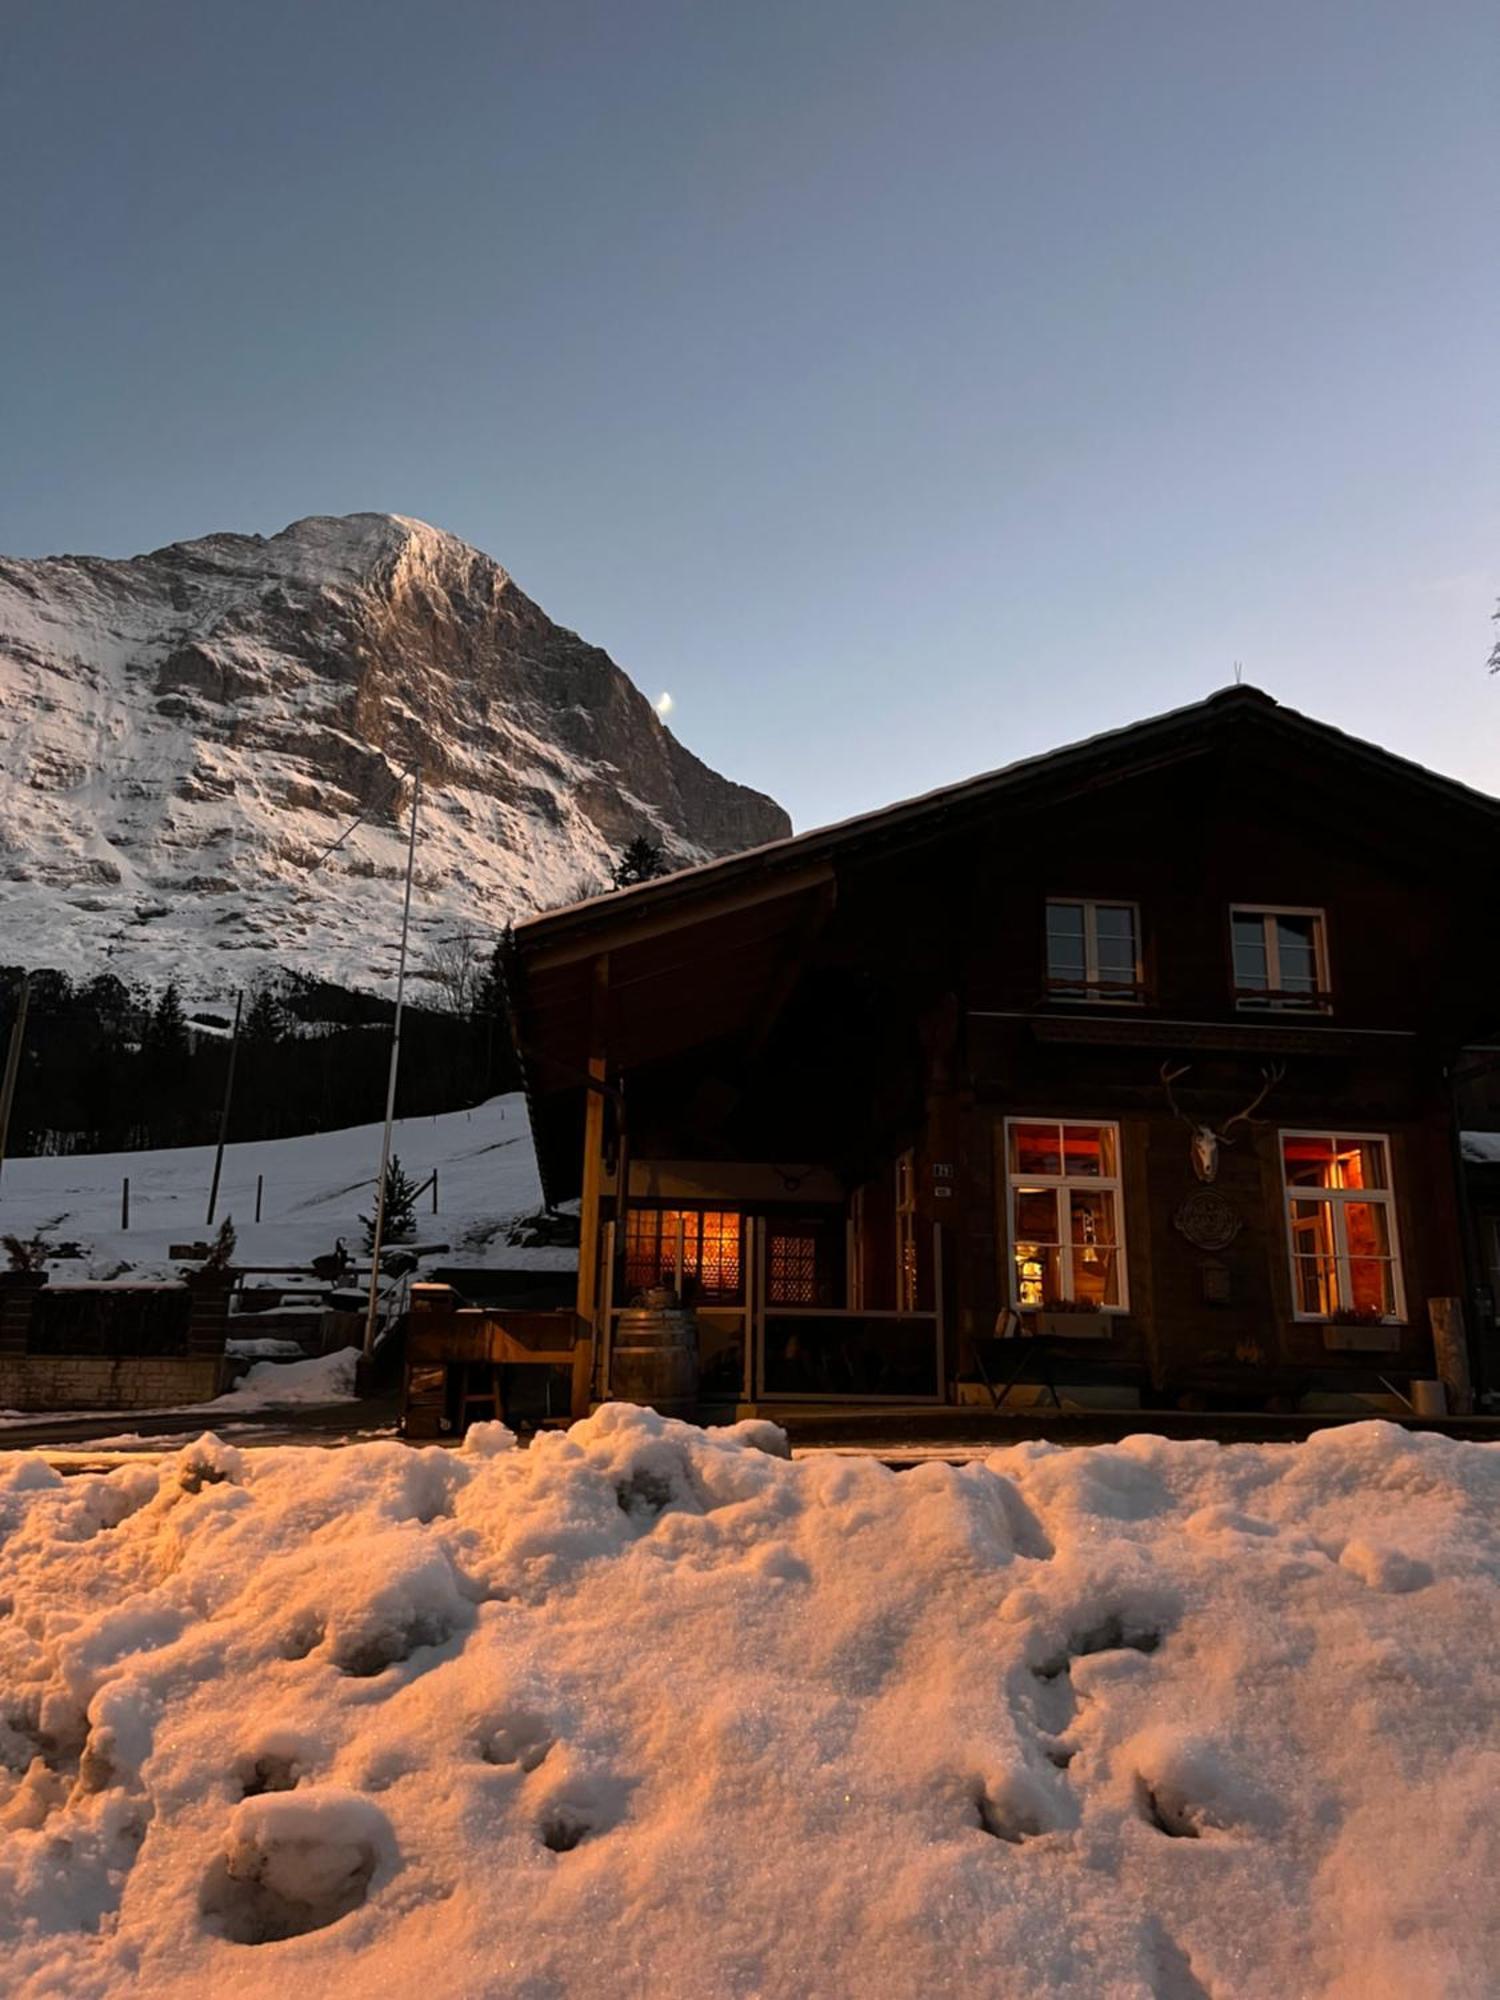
[{"x": 796, "y": 847}]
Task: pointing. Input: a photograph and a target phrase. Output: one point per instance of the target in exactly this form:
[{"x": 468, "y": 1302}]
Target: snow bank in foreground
[{"x": 648, "y": 1709}]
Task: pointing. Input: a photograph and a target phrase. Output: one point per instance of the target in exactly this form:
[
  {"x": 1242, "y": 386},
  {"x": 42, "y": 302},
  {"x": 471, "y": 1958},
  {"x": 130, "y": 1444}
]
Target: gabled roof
[
  {"x": 1162, "y": 738},
  {"x": 708, "y": 954}
]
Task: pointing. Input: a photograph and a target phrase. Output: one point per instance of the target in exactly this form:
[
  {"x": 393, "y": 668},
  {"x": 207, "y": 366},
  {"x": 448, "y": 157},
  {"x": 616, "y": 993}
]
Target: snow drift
[{"x": 651, "y": 1709}]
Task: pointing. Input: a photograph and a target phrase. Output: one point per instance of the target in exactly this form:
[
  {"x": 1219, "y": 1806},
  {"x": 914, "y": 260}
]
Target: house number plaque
[{"x": 1207, "y": 1220}]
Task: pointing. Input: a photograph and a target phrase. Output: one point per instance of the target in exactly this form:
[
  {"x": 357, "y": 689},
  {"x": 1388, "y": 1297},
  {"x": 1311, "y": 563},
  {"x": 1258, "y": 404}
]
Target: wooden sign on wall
[{"x": 1207, "y": 1220}]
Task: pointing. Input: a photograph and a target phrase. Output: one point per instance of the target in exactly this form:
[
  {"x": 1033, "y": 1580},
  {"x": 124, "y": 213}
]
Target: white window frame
[
  {"x": 1274, "y": 1000},
  {"x": 1063, "y": 1185},
  {"x": 1338, "y": 1199},
  {"x": 1105, "y": 992}
]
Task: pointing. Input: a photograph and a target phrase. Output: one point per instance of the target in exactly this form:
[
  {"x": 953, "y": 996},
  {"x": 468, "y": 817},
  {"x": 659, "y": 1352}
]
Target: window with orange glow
[
  {"x": 1067, "y": 1246},
  {"x": 908, "y": 1277},
  {"x": 1341, "y": 1226},
  {"x": 696, "y": 1252}
]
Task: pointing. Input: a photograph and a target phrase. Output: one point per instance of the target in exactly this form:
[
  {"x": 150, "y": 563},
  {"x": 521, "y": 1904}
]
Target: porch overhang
[{"x": 632, "y": 986}]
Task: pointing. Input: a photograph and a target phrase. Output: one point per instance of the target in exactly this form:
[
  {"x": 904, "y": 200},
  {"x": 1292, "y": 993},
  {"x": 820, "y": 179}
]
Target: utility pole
[
  {"x": 378, "y": 1231},
  {"x": 13, "y": 1063},
  {"x": 234, "y": 1049}
]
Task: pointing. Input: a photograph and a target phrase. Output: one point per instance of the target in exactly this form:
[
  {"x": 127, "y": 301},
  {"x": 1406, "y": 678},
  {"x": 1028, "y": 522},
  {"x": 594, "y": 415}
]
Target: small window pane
[
  {"x": 1316, "y": 1291},
  {"x": 1037, "y": 1274},
  {"x": 1036, "y": 1214},
  {"x": 1067, "y": 957},
  {"x": 1035, "y": 1149},
  {"x": 1360, "y": 1163},
  {"x": 1251, "y": 965},
  {"x": 1372, "y": 1287},
  {"x": 1312, "y": 1228},
  {"x": 711, "y": 1250},
  {"x": 1096, "y": 1277},
  {"x": 1093, "y": 1216},
  {"x": 1297, "y": 949},
  {"x": 1117, "y": 954},
  {"x": 793, "y": 1277},
  {"x": 1309, "y": 1160},
  {"x": 1369, "y": 1229},
  {"x": 1090, "y": 1151}
]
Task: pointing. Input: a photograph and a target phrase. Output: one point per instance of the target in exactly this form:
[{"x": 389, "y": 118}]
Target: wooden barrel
[{"x": 655, "y": 1360}]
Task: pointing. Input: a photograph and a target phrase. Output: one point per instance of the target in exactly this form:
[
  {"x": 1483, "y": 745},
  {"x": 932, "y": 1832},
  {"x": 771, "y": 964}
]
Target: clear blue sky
[{"x": 906, "y": 387}]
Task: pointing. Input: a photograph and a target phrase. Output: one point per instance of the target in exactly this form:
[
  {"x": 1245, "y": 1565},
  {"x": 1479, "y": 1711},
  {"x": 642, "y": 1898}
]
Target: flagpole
[{"x": 378, "y": 1231}]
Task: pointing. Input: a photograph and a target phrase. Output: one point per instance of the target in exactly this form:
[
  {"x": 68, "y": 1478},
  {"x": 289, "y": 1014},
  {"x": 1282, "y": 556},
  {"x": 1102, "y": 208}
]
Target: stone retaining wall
[{"x": 105, "y": 1382}]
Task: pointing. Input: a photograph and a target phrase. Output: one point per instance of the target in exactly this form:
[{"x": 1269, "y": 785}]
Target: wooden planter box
[
  {"x": 1363, "y": 1336},
  {"x": 1075, "y": 1326}
]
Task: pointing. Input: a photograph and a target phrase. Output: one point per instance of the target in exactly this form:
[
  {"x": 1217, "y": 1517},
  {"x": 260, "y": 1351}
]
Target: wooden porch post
[{"x": 589, "y": 1288}]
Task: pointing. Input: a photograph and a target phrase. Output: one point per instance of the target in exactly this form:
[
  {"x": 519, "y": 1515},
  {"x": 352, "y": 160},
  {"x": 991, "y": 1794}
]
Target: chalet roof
[
  {"x": 709, "y": 952},
  {"x": 1138, "y": 744}
]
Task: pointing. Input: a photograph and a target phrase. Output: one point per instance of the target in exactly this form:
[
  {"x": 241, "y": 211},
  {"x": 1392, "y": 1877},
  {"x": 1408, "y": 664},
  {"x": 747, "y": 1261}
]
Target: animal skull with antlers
[{"x": 1205, "y": 1142}]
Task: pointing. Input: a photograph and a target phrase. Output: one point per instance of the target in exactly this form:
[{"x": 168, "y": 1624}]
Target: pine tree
[
  {"x": 167, "y": 1031},
  {"x": 641, "y": 860},
  {"x": 400, "y": 1218},
  {"x": 265, "y": 1023}
]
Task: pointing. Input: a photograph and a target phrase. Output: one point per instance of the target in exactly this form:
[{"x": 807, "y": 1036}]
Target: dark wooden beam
[{"x": 617, "y": 937}]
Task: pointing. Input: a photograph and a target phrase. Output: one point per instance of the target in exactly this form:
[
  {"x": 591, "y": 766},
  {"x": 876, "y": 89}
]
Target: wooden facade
[{"x": 882, "y": 1099}]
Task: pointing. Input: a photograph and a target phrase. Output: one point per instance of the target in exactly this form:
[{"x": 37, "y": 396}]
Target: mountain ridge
[{"x": 196, "y": 723}]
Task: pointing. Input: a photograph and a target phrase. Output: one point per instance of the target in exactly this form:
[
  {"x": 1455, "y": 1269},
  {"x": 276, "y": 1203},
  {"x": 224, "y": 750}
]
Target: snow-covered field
[
  {"x": 649, "y": 1710},
  {"x": 315, "y": 1189}
]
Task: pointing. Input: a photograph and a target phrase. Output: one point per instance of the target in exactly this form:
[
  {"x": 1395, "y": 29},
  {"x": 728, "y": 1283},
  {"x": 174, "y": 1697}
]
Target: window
[
  {"x": 1093, "y": 951},
  {"x": 792, "y": 1279},
  {"x": 907, "y": 1274},
  {"x": 1280, "y": 958},
  {"x": 1067, "y": 1248},
  {"x": 1341, "y": 1226},
  {"x": 695, "y": 1251}
]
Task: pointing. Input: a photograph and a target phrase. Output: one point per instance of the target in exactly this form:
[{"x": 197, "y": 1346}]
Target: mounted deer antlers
[{"x": 1206, "y": 1141}]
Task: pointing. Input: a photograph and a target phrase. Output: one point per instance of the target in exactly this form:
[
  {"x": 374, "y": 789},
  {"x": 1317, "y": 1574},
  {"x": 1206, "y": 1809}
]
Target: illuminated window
[
  {"x": 1093, "y": 950},
  {"x": 1280, "y": 958},
  {"x": 907, "y": 1274},
  {"x": 792, "y": 1278},
  {"x": 1067, "y": 1246},
  {"x": 696, "y": 1252},
  {"x": 1341, "y": 1227}
]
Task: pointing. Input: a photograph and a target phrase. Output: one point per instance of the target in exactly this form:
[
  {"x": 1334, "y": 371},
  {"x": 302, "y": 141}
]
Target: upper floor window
[
  {"x": 1066, "y": 1239},
  {"x": 1341, "y": 1226},
  {"x": 1093, "y": 950},
  {"x": 1280, "y": 958}
]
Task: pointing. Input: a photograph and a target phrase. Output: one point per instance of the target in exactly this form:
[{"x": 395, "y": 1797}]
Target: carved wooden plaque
[{"x": 1207, "y": 1220}]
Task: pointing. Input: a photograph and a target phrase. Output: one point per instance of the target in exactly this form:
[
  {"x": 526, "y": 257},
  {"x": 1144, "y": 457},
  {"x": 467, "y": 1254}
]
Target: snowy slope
[
  {"x": 181, "y": 735},
  {"x": 647, "y": 1711},
  {"x": 315, "y": 1189}
]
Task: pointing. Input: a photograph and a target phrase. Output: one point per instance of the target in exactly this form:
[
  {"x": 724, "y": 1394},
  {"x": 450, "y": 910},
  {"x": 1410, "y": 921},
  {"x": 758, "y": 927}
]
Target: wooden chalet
[{"x": 1127, "y": 1066}]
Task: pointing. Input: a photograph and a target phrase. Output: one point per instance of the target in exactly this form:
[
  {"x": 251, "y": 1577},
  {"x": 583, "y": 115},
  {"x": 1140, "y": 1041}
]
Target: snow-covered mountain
[{"x": 181, "y": 734}]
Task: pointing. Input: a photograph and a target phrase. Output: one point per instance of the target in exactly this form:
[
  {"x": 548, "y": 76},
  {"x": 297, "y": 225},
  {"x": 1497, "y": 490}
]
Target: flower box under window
[{"x": 1066, "y": 1325}]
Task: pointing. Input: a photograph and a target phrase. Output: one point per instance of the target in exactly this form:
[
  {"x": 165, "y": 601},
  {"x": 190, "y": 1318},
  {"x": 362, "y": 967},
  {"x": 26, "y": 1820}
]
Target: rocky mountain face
[{"x": 182, "y": 734}]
